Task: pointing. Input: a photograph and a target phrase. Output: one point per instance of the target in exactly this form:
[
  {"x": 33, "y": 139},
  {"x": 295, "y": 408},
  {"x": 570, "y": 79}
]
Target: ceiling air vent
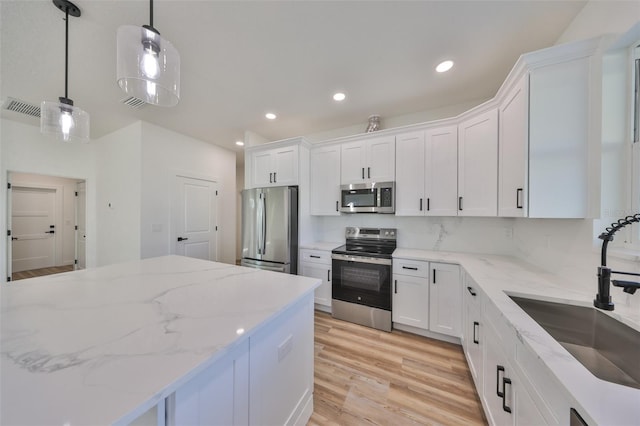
[
  {"x": 133, "y": 102},
  {"x": 12, "y": 104}
]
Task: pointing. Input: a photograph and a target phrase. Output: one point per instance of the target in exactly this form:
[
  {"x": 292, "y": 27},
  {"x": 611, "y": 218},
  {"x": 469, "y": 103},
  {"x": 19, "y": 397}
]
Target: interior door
[
  {"x": 33, "y": 221},
  {"x": 81, "y": 230},
  {"x": 195, "y": 218}
]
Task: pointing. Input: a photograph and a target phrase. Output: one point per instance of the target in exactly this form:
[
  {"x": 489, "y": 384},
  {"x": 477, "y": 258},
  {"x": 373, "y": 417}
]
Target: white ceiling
[{"x": 241, "y": 59}]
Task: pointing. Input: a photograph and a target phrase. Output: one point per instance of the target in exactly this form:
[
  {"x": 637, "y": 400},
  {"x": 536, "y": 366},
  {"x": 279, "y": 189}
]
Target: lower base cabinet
[{"x": 317, "y": 264}]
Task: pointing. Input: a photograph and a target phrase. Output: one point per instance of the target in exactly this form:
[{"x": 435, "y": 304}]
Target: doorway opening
[{"x": 46, "y": 222}]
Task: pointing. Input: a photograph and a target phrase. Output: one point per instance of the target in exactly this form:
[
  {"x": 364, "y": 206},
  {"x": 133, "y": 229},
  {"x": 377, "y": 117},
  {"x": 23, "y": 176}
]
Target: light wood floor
[
  {"x": 40, "y": 272},
  {"x": 369, "y": 377}
]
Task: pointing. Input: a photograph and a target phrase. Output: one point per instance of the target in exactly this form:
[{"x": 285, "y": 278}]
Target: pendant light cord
[{"x": 66, "y": 53}]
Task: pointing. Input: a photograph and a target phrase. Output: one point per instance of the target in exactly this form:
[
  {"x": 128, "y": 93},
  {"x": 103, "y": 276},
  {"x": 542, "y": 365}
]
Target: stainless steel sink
[{"x": 607, "y": 348}]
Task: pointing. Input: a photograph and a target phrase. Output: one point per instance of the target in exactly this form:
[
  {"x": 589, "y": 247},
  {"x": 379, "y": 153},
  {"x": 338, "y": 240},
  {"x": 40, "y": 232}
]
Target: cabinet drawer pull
[
  {"x": 336, "y": 206},
  {"x": 368, "y": 172},
  {"x": 314, "y": 256},
  {"x": 395, "y": 286},
  {"x": 499, "y": 368},
  {"x": 470, "y": 289},
  {"x": 505, "y": 381},
  {"x": 519, "y": 198},
  {"x": 328, "y": 275},
  {"x": 363, "y": 173},
  {"x": 428, "y": 204},
  {"x": 270, "y": 177},
  {"x": 434, "y": 276},
  {"x": 410, "y": 267},
  {"x": 476, "y": 325},
  {"x": 420, "y": 204},
  {"x": 460, "y": 203},
  {"x": 274, "y": 177}
]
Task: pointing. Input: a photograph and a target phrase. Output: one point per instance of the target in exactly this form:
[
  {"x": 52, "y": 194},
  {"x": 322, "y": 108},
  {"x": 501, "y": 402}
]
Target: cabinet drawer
[
  {"x": 413, "y": 268},
  {"x": 316, "y": 256}
]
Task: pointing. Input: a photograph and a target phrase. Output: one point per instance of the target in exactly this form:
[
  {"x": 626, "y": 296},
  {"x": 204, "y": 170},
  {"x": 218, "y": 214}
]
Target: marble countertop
[
  {"x": 321, "y": 245},
  {"x": 602, "y": 402},
  {"x": 103, "y": 345}
]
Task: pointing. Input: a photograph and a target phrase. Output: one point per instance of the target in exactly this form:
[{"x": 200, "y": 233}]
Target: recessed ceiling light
[
  {"x": 444, "y": 66},
  {"x": 270, "y": 116},
  {"x": 239, "y": 143},
  {"x": 339, "y": 97}
]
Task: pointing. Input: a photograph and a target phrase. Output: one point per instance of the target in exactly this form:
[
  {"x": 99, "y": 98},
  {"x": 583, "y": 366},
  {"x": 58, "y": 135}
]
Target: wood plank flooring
[
  {"x": 368, "y": 377},
  {"x": 40, "y": 272}
]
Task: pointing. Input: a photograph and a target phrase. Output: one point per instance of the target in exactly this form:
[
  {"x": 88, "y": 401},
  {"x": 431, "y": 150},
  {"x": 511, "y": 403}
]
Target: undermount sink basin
[{"x": 607, "y": 348}]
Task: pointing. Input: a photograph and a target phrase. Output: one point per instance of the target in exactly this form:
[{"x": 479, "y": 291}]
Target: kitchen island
[{"x": 169, "y": 339}]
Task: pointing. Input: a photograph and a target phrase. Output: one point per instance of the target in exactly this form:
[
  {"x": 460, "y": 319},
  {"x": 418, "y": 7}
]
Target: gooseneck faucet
[{"x": 603, "y": 298}]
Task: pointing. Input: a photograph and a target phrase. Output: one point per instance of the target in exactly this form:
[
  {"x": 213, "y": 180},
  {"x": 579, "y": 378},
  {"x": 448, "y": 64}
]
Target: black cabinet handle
[
  {"x": 470, "y": 289},
  {"x": 329, "y": 275},
  {"x": 476, "y": 324},
  {"x": 395, "y": 286},
  {"x": 314, "y": 256},
  {"x": 499, "y": 368},
  {"x": 274, "y": 177},
  {"x": 50, "y": 232},
  {"x": 336, "y": 206},
  {"x": 14, "y": 238},
  {"x": 519, "y": 198},
  {"x": 270, "y": 177},
  {"x": 369, "y": 172},
  {"x": 460, "y": 203},
  {"x": 52, "y": 226},
  {"x": 505, "y": 381},
  {"x": 420, "y": 204},
  {"x": 363, "y": 173},
  {"x": 434, "y": 276},
  {"x": 182, "y": 239},
  {"x": 428, "y": 204},
  {"x": 410, "y": 268}
]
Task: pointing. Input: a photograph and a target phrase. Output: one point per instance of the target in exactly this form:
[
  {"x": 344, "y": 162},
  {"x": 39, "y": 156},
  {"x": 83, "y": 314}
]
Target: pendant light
[
  {"x": 62, "y": 119},
  {"x": 148, "y": 65}
]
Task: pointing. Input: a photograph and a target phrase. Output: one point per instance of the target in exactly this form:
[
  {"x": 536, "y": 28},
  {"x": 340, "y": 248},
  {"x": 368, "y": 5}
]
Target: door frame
[
  {"x": 173, "y": 234},
  {"x": 59, "y": 220}
]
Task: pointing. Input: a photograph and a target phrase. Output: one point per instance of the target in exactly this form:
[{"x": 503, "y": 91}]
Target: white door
[
  {"x": 353, "y": 162},
  {"x": 381, "y": 159},
  {"x": 445, "y": 299},
  {"x": 195, "y": 218},
  {"x": 325, "y": 181},
  {"x": 81, "y": 230},
  {"x": 262, "y": 169},
  {"x": 33, "y": 238},
  {"x": 441, "y": 171},
  {"x": 410, "y": 170},
  {"x": 285, "y": 161}
]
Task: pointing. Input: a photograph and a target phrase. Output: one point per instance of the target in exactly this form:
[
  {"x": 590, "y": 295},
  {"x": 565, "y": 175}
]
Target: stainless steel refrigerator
[{"x": 270, "y": 228}]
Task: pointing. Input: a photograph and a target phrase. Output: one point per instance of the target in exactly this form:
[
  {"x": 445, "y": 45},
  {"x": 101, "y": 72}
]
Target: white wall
[
  {"x": 166, "y": 154},
  {"x": 65, "y": 215},
  {"x": 24, "y": 149},
  {"x": 118, "y": 193}
]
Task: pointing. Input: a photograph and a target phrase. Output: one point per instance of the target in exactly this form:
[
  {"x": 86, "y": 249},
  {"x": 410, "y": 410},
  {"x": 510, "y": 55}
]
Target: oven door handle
[{"x": 361, "y": 259}]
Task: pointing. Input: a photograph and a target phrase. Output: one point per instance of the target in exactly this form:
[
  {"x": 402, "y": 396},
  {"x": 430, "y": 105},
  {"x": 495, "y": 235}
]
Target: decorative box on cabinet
[
  {"x": 317, "y": 264},
  {"x": 325, "y": 180},
  {"x": 368, "y": 160},
  {"x": 427, "y": 172}
]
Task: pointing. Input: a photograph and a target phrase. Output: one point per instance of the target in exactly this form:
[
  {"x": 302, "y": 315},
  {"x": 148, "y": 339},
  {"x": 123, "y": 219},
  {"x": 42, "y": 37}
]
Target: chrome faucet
[{"x": 603, "y": 298}]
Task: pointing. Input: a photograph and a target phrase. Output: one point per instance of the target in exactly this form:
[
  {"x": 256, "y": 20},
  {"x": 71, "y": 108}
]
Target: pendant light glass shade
[
  {"x": 148, "y": 66},
  {"x": 64, "y": 121}
]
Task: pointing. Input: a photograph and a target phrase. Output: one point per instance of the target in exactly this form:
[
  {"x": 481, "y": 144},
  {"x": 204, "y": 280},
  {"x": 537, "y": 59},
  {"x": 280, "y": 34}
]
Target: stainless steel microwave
[{"x": 373, "y": 197}]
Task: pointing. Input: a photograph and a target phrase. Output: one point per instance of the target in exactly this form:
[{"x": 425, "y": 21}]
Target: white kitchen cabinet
[
  {"x": 217, "y": 396},
  {"x": 427, "y": 172},
  {"x": 325, "y": 180},
  {"x": 445, "y": 299},
  {"x": 273, "y": 167},
  {"x": 368, "y": 160},
  {"x": 317, "y": 264},
  {"x": 513, "y": 136},
  {"x": 410, "y": 297},
  {"x": 473, "y": 328},
  {"x": 478, "y": 165}
]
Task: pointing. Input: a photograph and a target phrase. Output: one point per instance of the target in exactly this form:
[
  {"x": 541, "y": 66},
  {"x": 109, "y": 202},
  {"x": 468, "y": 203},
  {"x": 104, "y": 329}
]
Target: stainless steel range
[{"x": 361, "y": 279}]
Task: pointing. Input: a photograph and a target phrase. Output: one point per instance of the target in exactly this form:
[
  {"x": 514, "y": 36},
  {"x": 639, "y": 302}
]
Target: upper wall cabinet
[
  {"x": 427, "y": 172},
  {"x": 478, "y": 165},
  {"x": 369, "y": 160},
  {"x": 549, "y": 132},
  {"x": 325, "y": 180},
  {"x": 271, "y": 165}
]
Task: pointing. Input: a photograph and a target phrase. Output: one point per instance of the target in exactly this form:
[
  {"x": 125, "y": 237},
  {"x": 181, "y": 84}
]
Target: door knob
[{"x": 182, "y": 239}]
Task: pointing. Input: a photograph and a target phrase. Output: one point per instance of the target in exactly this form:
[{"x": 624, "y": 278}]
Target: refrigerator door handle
[
  {"x": 260, "y": 221},
  {"x": 264, "y": 223}
]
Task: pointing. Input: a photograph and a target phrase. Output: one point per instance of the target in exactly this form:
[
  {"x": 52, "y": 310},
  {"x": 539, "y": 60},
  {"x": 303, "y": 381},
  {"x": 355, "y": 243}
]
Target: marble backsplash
[{"x": 563, "y": 247}]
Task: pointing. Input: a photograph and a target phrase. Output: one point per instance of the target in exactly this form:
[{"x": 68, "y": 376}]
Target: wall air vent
[
  {"x": 133, "y": 102},
  {"x": 17, "y": 105}
]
